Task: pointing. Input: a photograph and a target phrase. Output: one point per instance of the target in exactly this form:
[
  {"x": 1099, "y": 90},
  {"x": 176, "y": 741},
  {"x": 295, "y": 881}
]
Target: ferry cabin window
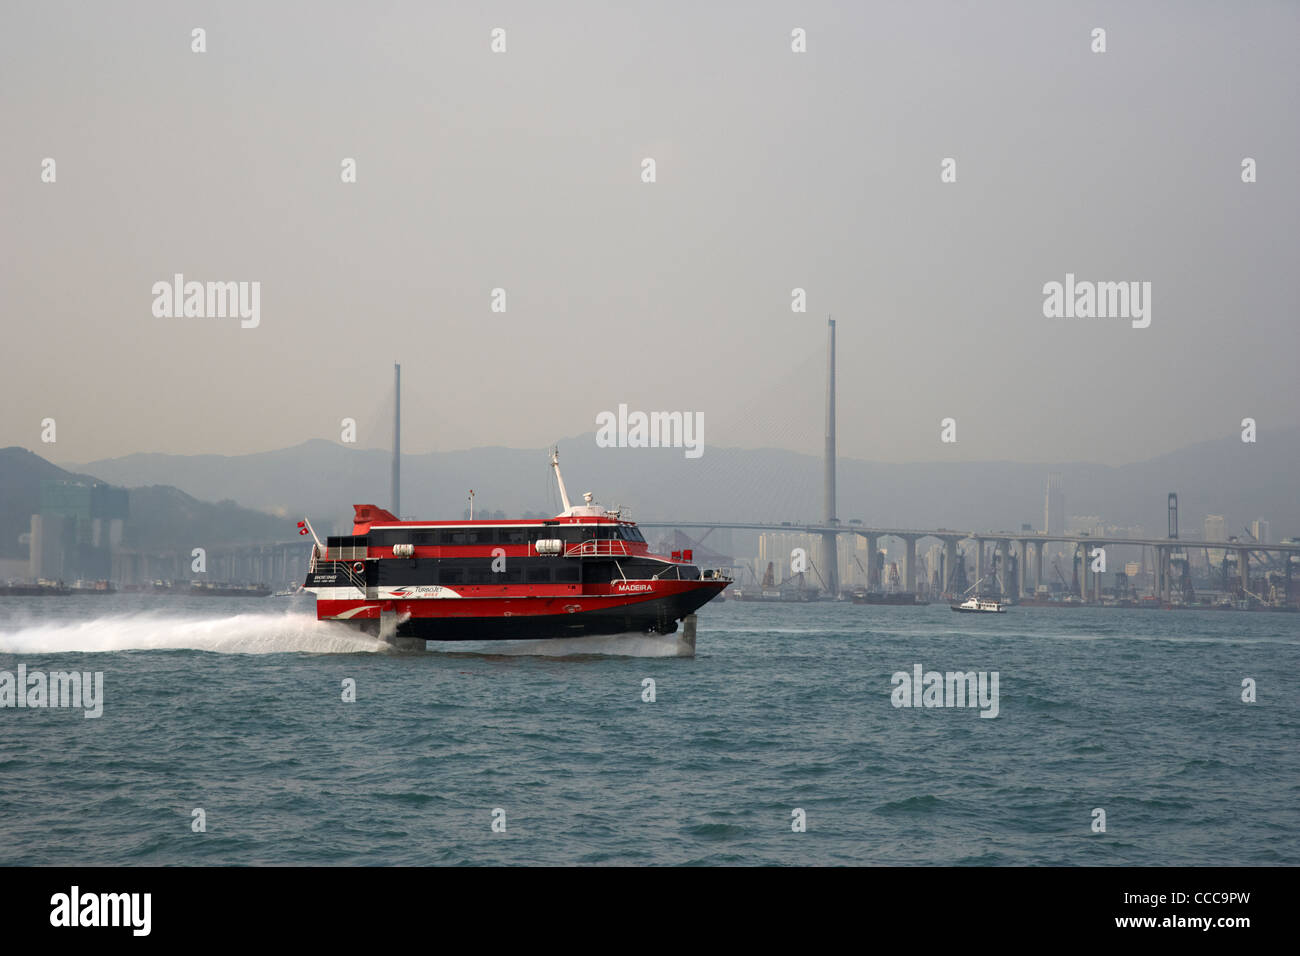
[
  {"x": 463, "y": 537},
  {"x": 576, "y": 534},
  {"x": 512, "y": 536},
  {"x": 483, "y": 574},
  {"x": 386, "y": 539},
  {"x": 451, "y": 576},
  {"x": 638, "y": 569},
  {"x": 539, "y": 575},
  {"x": 568, "y": 574}
]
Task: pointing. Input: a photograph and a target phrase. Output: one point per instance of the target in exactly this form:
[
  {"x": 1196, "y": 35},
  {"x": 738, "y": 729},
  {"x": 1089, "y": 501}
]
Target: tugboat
[
  {"x": 585, "y": 571},
  {"x": 977, "y": 605}
]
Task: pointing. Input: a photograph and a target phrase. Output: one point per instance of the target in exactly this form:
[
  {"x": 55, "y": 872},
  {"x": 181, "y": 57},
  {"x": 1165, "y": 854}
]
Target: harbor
[{"x": 1049, "y": 566}]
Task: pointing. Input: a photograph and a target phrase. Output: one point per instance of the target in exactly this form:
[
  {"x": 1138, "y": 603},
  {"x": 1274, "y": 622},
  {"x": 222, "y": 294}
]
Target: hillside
[{"x": 162, "y": 518}]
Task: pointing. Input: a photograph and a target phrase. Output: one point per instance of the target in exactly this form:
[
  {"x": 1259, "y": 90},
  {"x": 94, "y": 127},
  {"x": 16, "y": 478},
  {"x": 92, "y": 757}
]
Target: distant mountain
[
  {"x": 322, "y": 479},
  {"x": 161, "y": 518},
  {"x": 164, "y": 518}
]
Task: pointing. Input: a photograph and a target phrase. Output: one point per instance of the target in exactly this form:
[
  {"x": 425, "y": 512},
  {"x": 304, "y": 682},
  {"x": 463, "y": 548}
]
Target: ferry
[
  {"x": 585, "y": 571},
  {"x": 977, "y": 605}
]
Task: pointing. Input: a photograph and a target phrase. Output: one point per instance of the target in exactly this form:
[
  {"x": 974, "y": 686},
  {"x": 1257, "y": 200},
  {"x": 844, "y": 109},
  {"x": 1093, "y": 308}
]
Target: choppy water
[{"x": 234, "y": 706}]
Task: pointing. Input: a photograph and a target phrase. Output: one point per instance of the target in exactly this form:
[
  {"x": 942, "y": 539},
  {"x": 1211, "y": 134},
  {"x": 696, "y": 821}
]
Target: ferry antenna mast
[{"x": 397, "y": 441}]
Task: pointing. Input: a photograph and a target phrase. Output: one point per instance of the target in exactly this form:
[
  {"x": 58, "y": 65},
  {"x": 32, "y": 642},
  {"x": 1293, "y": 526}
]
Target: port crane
[{"x": 1056, "y": 566}]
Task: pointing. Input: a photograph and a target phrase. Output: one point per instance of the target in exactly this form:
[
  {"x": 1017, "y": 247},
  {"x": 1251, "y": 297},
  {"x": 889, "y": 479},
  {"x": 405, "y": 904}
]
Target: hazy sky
[{"x": 775, "y": 170}]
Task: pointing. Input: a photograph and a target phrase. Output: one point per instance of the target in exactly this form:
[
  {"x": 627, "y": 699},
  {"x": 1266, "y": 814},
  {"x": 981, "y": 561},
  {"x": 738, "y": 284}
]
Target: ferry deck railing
[
  {"x": 598, "y": 548},
  {"x": 333, "y": 561}
]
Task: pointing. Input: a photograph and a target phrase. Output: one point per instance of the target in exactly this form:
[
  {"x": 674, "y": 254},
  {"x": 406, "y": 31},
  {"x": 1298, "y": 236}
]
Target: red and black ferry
[{"x": 586, "y": 571}]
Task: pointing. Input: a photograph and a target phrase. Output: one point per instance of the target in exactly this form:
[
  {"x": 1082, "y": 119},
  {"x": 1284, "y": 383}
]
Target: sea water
[{"x": 243, "y": 731}]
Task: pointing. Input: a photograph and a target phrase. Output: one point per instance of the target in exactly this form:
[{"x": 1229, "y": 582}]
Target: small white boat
[{"x": 978, "y": 606}]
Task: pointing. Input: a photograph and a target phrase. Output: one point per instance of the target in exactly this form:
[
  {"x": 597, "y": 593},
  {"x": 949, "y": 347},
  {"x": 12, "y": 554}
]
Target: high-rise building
[
  {"x": 77, "y": 532},
  {"x": 1054, "y": 509},
  {"x": 848, "y": 546},
  {"x": 1086, "y": 524},
  {"x": 1215, "y": 530},
  {"x": 1259, "y": 528}
]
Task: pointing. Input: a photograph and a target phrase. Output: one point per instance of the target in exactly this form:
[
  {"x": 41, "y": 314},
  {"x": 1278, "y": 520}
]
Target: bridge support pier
[
  {"x": 1004, "y": 569},
  {"x": 1083, "y": 572},
  {"x": 979, "y": 566},
  {"x": 909, "y": 564},
  {"x": 873, "y": 573},
  {"x": 831, "y": 562},
  {"x": 949, "y": 563},
  {"x": 1097, "y": 576},
  {"x": 1022, "y": 569}
]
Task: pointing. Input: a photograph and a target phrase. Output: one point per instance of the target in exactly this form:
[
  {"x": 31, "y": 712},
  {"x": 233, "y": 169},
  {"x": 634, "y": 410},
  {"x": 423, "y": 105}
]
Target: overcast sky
[{"x": 523, "y": 170}]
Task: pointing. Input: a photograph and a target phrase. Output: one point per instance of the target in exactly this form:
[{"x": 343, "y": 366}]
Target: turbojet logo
[
  {"x": 59, "y": 689},
  {"x": 103, "y": 909},
  {"x": 1098, "y": 300},
  {"x": 953, "y": 689},
  {"x": 208, "y": 300},
  {"x": 653, "y": 430}
]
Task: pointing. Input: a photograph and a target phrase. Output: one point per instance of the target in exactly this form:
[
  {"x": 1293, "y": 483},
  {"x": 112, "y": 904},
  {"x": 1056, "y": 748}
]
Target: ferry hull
[{"x": 524, "y": 618}]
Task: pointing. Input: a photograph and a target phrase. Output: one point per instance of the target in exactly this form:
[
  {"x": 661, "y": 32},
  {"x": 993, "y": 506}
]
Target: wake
[
  {"x": 600, "y": 645},
  {"x": 240, "y": 634},
  {"x": 287, "y": 633}
]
